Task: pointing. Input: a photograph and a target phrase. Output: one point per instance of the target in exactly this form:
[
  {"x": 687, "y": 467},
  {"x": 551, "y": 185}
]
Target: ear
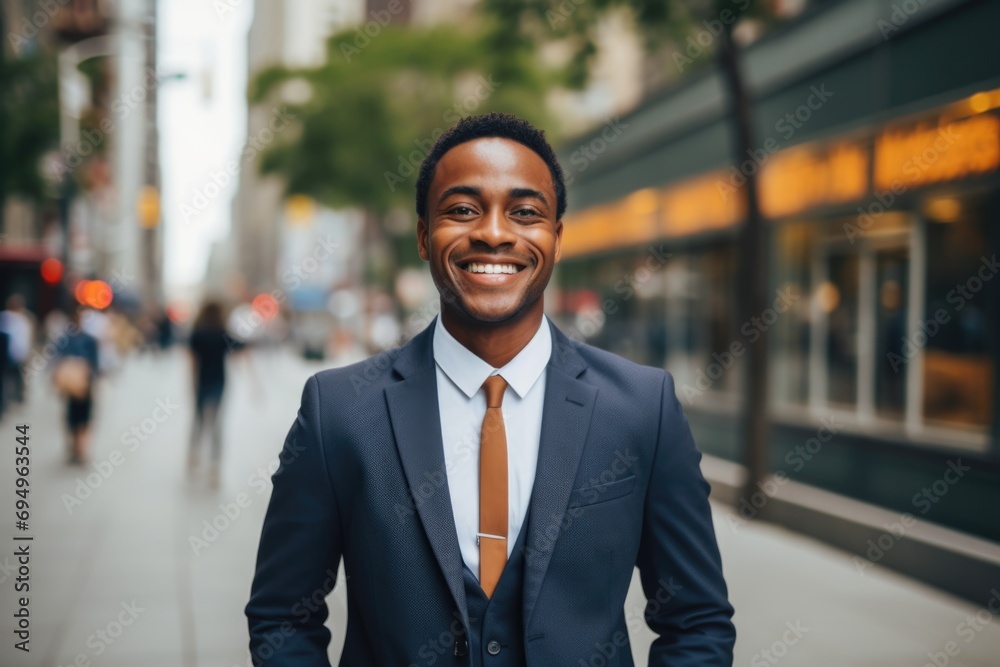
[
  {"x": 422, "y": 240},
  {"x": 559, "y": 232}
]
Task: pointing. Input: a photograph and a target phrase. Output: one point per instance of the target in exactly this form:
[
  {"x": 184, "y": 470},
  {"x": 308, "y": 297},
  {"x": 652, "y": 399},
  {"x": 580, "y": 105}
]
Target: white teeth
[{"x": 491, "y": 268}]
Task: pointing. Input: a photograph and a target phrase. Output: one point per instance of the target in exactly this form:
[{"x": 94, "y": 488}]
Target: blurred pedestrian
[
  {"x": 74, "y": 373},
  {"x": 18, "y": 324},
  {"x": 164, "y": 330},
  {"x": 208, "y": 346},
  {"x": 99, "y": 325}
]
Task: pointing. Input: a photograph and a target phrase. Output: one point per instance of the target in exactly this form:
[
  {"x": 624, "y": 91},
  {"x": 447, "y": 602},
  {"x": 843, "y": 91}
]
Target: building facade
[{"x": 877, "y": 147}]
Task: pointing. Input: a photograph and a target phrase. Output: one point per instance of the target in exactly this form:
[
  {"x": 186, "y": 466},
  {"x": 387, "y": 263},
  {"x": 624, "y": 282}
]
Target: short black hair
[{"x": 503, "y": 125}]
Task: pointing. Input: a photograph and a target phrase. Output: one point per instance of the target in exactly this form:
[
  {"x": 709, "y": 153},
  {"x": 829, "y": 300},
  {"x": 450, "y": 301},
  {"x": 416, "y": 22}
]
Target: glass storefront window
[
  {"x": 892, "y": 268},
  {"x": 958, "y": 373},
  {"x": 616, "y": 303},
  {"x": 891, "y": 326},
  {"x": 788, "y": 348},
  {"x": 838, "y": 296},
  {"x": 897, "y": 327},
  {"x": 701, "y": 321},
  {"x": 674, "y": 312}
]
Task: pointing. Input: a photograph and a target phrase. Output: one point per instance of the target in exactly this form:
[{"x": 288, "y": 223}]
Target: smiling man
[{"x": 491, "y": 484}]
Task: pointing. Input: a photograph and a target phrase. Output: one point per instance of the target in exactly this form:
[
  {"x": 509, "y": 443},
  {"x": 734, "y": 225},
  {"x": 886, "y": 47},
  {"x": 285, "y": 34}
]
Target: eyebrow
[
  {"x": 460, "y": 190},
  {"x": 516, "y": 193}
]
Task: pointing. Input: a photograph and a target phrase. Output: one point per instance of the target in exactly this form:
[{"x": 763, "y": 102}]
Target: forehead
[{"x": 492, "y": 162}]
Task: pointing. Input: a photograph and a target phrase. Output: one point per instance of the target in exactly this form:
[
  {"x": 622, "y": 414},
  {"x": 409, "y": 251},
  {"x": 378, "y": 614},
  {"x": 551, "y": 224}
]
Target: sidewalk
[{"x": 127, "y": 568}]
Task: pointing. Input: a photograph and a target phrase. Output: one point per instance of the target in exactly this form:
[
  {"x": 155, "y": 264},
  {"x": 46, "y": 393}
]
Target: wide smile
[{"x": 491, "y": 273}]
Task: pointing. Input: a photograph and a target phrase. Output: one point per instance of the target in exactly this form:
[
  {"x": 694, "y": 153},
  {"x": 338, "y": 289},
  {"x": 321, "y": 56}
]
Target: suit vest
[{"x": 496, "y": 632}]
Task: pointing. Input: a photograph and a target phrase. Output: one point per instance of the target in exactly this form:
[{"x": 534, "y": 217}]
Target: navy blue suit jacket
[{"x": 618, "y": 485}]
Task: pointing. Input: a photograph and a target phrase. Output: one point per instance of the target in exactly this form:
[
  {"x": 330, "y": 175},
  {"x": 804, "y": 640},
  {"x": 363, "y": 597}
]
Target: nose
[{"x": 493, "y": 228}]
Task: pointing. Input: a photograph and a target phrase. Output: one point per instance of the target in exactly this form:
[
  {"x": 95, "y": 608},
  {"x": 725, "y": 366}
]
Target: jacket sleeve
[
  {"x": 679, "y": 562},
  {"x": 299, "y": 552}
]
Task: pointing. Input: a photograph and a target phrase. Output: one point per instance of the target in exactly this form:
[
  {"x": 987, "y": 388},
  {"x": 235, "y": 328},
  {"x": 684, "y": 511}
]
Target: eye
[
  {"x": 461, "y": 210},
  {"x": 525, "y": 213}
]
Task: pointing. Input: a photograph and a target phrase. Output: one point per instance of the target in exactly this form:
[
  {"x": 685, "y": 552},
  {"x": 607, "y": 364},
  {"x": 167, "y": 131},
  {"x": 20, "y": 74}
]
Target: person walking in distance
[
  {"x": 20, "y": 326},
  {"x": 76, "y": 369},
  {"x": 207, "y": 347}
]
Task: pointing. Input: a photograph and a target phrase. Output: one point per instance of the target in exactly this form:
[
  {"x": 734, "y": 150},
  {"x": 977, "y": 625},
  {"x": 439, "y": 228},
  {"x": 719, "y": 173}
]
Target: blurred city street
[
  {"x": 790, "y": 206},
  {"x": 119, "y": 577}
]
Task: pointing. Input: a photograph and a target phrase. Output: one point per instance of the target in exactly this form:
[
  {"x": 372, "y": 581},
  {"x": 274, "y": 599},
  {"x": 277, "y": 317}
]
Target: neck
[{"x": 496, "y": 343}]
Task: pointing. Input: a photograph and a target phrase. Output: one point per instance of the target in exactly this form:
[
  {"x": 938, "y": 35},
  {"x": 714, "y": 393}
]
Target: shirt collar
[{"x": 469, "y": 372}]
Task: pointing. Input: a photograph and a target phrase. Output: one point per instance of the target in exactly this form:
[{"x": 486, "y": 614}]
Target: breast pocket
[{"x": 601, "y": 493}]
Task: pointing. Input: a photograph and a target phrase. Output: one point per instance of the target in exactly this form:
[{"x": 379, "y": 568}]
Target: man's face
[{"x": 490, "y": 230}]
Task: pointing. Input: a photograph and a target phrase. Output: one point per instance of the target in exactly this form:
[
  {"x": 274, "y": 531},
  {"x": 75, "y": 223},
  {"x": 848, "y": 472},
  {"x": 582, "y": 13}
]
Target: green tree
[
  {"x": 373, "y": 109},
  {"x": 29, "y": 123}
]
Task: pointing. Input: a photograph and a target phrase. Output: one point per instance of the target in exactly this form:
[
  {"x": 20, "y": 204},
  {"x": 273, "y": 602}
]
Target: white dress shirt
[{"x": 462, "y": 406}]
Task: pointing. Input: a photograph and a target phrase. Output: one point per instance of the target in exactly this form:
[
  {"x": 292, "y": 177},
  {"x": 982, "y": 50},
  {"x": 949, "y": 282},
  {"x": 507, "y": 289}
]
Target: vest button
[{"x": 493, "y": 648}]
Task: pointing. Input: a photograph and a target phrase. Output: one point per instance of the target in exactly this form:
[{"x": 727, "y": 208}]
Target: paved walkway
[{"x": 116, "y": 580}]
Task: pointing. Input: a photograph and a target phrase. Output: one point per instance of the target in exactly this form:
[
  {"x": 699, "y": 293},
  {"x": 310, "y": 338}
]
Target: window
[{"x": 957, "y": 380}]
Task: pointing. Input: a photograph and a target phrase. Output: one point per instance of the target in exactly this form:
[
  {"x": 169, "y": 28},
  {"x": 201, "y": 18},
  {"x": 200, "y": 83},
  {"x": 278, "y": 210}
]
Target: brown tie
[{"x": 492, "y": 537}]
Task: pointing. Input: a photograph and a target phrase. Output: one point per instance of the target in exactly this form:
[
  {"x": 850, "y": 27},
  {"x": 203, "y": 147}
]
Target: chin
[{"x": 489, "y": 312}]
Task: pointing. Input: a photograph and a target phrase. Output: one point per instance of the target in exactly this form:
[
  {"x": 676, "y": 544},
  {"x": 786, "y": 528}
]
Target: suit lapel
[
  {"x": 567, "y": 408},
  {"x": 416, "y": 424}
]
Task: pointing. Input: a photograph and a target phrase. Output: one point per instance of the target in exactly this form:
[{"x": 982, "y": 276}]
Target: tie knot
[{"x": 494, "y": 388}]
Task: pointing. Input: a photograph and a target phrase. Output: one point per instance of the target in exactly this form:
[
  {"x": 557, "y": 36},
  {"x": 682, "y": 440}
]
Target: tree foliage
[
  {"x": 371, "y": 112},
  {"x": 665, "y": 27},
  {"x": 29, "y": 110}
]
